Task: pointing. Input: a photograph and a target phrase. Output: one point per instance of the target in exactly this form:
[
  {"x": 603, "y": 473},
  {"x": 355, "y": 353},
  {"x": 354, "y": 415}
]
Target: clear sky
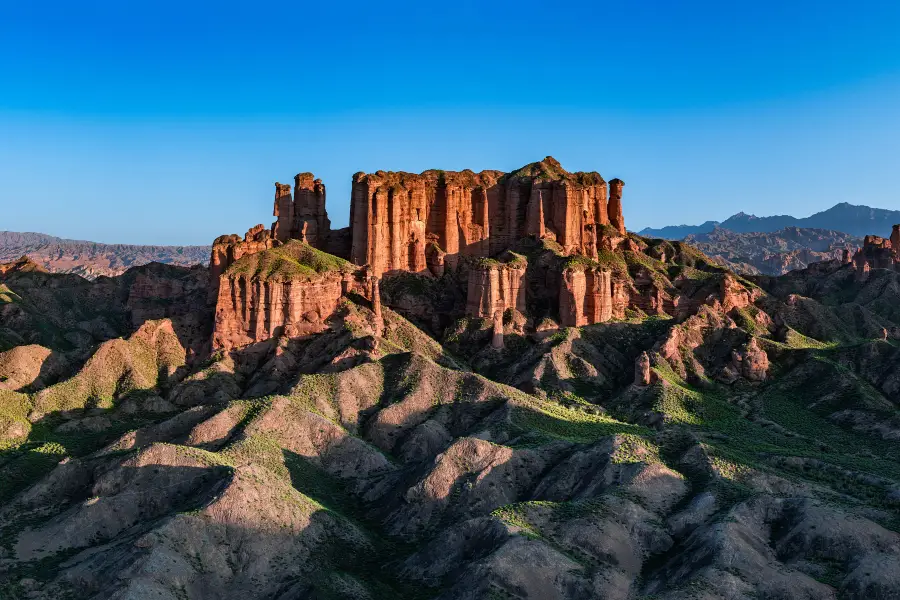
[{"x": 169, "y": 122}]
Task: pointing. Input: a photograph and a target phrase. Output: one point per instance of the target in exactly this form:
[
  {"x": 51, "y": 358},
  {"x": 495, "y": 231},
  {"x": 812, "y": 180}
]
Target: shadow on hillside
[
  {"x": 64, "y": 434},
  {"x": 280, "y": 548}
]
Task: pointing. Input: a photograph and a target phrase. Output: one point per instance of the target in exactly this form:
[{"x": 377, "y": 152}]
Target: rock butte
[
  {"x": 288, "y": 280},
  {"x": 424, "y": 224}
]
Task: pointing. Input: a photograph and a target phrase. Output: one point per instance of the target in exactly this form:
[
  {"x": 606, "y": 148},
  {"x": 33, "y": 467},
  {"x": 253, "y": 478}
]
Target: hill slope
[{"x": 747, "y": 449}]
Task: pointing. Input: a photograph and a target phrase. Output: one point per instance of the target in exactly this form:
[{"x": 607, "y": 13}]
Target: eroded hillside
[{"x": 631, "y": 422}]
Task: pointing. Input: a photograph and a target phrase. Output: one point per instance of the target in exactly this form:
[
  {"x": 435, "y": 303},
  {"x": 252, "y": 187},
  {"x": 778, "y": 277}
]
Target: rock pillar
[
  {"x": 614, "y": 208},
  {"x": 310, "y": 222},
  {"x": 284, "y": 210},
  {"x": 497, "y": 340},
  {"x": 895, "y": 243},
  {"x": 642, "y": 373},
  {"x": 376, "y": 304},
  {"x": 534, "y": 218}
]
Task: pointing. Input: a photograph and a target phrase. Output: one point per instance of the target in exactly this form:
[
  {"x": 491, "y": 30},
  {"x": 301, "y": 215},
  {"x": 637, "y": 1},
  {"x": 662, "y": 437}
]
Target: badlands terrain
[
  {"x": 90, "y": 259},
  {"x": 485, "y": 387}
]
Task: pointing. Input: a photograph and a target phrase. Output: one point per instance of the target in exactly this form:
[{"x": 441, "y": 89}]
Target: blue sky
[{"x": 169, "y": 122}]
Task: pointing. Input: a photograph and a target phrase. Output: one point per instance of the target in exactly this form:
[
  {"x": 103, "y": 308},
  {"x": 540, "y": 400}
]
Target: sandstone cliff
[
  {"x": 396, "y": 215},
  {"x": 289, "y": 290},
  {"x": 590, "y": 295},
  {"x": 495, "y": 286}
]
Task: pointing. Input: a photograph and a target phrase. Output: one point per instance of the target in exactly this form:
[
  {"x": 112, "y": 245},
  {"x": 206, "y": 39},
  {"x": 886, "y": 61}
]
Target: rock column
[
  {"x": 642, "y": 372},
  {"x": 284, "y": 210},
  {"x": 376, "y": 304},
  {"x": 895, "y": 244},
  {"x": 614, "y": 208},
  {"x": 497, "y": 340}
]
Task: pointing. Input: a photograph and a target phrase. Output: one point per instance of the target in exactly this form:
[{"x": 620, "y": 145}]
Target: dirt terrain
[{"x": 747, "y": 449}]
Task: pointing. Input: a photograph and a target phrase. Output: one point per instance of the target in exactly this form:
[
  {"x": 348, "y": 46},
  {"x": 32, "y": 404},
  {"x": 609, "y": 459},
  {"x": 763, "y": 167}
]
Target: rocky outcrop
[
  {"x": 394, "y": 216},
  {"x": 22, "y": 265},
  {"x": 227, "y": 249},
  {"x": 497, "y": 337},
  {"x": 878, "y": 253},
  {"x": 249, "y": 311},
  {"x": 643, "y": 376},
  {"x": 289, "y": 290},
  {"x": 496, "y": 286},
  {"x": 615, "y": 205},
  {"x": 302, "y": 217},
  {"x": 895, "y": 242},
  {"x": 750, "y": 362},
  {"x": 426, "y": 224},
  {"x": 590, "y": 295}
]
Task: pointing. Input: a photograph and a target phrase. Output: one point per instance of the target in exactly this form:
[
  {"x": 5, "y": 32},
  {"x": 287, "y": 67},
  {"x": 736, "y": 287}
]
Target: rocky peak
[
  {"x": 22, "y": 265},
  {"x": 878, "y": 253}
]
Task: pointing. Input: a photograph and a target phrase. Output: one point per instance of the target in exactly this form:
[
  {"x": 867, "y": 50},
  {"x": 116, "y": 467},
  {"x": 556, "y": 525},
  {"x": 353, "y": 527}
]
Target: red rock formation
[
  {"x": 751, "y": 362},
  {"x": 496, "y": 286},
  {"x": 497, "y": 339},
  {"x": 425, "y": 224},
  {"x": 249, "y": 310},
  {"x": 643, "y": 376},
  {"x": 732, "y": 294},
  {"x": 394, "y": 216},
  {"x": 302, "y": 217},
  {"x": 227, "y": 249},
  {"x": 878, "y": 253},
  {"x": 615, "y": 205},
  {"x": 288, "y": 289},
  {"x": 284, "y": 210},
  {"x": 589, "y": 296},
  {"x": 434, "y": 259},
  {"x": 895, "y": 243},
  {"x": 22, "y": 265},
  {"x": 375, "y": 295}
]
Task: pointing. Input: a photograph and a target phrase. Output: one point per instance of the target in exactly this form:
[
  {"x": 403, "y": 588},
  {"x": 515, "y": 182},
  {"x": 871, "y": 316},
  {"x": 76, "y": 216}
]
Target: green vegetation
[
  {"x": 509, "y": 260},
  {"x": 14, "y": 423},
  {"x": 554, "y": 421},
  {"x": 293, "y": 260}
]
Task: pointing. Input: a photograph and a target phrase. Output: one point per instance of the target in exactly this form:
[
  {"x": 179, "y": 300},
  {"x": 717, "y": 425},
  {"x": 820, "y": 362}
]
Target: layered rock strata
[
  {"x": 495, "y": 286},
  {"x": 590, "y": 296},
  {"x": 497, "y": 337},
  {"x": 284, "y": 291},
  {"x": 394, "y": 216},
  {"x": 227, "y": 249}
]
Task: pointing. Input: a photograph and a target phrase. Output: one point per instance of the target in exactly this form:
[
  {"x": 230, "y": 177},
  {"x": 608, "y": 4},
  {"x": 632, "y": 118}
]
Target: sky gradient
[{"x": 164, "y": 122}]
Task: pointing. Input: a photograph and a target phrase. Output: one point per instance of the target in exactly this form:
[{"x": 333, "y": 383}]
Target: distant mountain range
[
  {"x": 773, "y": 253},
  {"x": 846, "y": 218},
  {"x": 90, "y": 259}
]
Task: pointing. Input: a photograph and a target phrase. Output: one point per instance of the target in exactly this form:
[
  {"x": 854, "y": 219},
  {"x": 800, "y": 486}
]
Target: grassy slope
[{"x": 293, "y": 260}]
